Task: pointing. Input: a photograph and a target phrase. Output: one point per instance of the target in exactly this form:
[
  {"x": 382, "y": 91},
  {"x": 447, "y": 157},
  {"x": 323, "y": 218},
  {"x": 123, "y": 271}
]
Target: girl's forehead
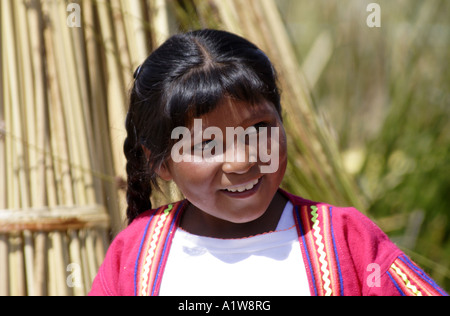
[{"x": 232, "y": 112}]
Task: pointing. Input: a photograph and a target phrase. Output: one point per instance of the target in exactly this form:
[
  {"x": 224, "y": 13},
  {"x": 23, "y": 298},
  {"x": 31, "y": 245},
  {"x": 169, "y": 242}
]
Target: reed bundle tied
[{"x": 63, "y": 92}]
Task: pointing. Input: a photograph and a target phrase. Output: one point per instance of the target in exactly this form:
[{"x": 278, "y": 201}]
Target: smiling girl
[{"x": 236, "y": 232}]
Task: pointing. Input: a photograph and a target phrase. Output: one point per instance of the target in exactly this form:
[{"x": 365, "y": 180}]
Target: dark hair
[{"x": 186, "y": 77}]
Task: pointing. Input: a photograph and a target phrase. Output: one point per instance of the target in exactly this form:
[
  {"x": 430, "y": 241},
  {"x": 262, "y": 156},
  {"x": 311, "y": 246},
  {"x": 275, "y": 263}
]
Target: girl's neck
[{"x": 197, "y": 222}]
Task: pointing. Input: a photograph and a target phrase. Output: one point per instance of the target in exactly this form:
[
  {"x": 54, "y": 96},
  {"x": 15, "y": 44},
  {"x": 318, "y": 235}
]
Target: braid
[{"x": 139, "y": 178}]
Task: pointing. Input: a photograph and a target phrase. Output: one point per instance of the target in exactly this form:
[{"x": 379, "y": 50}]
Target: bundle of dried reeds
[
  {"x": 48, "y": 156},
  {"x": 63, "y": 94}
]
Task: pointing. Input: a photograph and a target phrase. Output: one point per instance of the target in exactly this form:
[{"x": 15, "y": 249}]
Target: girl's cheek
[{"x": 195, "y": 173}]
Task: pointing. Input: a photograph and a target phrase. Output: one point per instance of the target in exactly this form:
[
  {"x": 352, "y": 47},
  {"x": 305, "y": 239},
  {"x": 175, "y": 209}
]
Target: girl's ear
[{"x": 163, "y": 171}]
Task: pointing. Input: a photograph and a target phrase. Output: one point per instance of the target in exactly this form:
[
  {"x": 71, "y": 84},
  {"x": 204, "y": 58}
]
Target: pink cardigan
[{"x": 344, "y": 253}]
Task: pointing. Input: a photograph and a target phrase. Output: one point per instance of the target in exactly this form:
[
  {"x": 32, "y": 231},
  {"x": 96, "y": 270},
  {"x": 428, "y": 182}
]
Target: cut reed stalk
[
  {"x": 93, "y": 187},
  {"x": 75, "y": 257},
  {"x": 29, "y": 133},
  {"x": 61, "y": 184},
  {"x": 94, "y": 191},
  {"x": 4, "y": 266},
  {"x": 16, "y": 161},
  {"x": 159, "y": 19},
  {"x": 138, "y": 41},
  {"x": 99, "y": 116},
  {"x": 38, "y": 172},
  {"x": 122, "y": 45},
  {"x": 115, "y": 92},
  {"x": 62, "y": 144}
]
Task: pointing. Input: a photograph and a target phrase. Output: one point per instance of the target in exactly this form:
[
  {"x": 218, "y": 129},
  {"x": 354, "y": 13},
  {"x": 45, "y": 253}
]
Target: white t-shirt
[{"x": 269, "y": 264}]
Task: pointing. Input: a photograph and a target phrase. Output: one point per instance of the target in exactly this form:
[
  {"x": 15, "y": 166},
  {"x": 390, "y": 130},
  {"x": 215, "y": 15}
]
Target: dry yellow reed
[
  {"x": 38, "y": 167},
  {"x": 15, "y": 159},
  {"x": 4, "y": 289},
  {"x": 46, "y": 131},
  {"x": 138, "y": 42}
]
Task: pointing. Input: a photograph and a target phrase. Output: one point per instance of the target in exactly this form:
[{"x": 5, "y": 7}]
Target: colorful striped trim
[
  {"x": 422, "y": 275},
  {"x": 341, "y": 279},
  {"x": 153, "y": 249},
  {"x": 305, "y": 251},
  {"x": 318, "y": 244},
  {"x": 399, "y": 289},
  {"x": 406, "y": 282},
  {"x": 411, "y": 280}
]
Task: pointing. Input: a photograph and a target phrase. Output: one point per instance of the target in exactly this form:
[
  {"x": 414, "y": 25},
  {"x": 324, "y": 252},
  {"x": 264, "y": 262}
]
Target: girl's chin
[
  {"x": 242, "y": 218},
  {"x": 241, "y": 213}
]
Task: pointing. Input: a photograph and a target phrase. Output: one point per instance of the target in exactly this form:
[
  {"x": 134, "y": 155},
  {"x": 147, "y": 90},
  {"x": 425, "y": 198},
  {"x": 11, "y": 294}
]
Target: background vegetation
[{"x": 385, "y": 93}]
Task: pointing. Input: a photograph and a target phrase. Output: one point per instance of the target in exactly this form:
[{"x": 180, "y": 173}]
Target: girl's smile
[
  {"x": 245, "y": 189},
  {"x": 232, "y": 198}
]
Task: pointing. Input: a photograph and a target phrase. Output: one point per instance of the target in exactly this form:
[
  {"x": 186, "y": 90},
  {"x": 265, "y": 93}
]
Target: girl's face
[{"x": 213, "y": 186}]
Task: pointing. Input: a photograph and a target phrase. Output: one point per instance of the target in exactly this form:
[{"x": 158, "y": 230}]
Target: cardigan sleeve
[
  {"x": 380, "y": 268},
  {"x": 405, "y": 278},
  {"x": 106, "y": 280},
  {"x": 116, "y": 275}
]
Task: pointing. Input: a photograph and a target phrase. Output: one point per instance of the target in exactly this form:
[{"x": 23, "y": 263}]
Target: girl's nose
[
  {"x": 240, "y": 163},
  {"x": 237, "y": 167}
]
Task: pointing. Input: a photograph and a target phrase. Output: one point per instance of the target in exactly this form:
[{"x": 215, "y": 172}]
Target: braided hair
[{"x": 186, "y": 77}]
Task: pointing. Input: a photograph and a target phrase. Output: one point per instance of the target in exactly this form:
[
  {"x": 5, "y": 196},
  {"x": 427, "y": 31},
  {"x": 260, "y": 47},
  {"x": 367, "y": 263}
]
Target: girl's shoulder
[
  {"x": 348, "y": 232},
  {"x": 117, "y": 274},
  {"x": 341, "y": 214},
  {"x": 343, "y": 224},
  {"x": 356, "y": 250}
]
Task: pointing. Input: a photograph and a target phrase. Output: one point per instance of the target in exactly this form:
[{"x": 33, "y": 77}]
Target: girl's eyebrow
[
  {"x": 259, "y": 115},
  {"x": 263, "y": 114}
]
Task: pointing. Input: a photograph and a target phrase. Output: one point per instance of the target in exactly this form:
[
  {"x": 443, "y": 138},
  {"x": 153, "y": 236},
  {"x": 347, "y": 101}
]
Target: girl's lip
[{"x": 246, "y": 193}]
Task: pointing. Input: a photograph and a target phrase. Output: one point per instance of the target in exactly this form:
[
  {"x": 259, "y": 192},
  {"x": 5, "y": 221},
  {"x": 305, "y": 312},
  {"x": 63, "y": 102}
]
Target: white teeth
[{"x": 242, "y": 188}]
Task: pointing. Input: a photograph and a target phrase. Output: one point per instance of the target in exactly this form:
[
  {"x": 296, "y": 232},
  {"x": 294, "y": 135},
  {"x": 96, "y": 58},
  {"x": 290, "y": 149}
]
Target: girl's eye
[
  {"x": 256, "y": 128},
  {"x": 205, "y": 145}
]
